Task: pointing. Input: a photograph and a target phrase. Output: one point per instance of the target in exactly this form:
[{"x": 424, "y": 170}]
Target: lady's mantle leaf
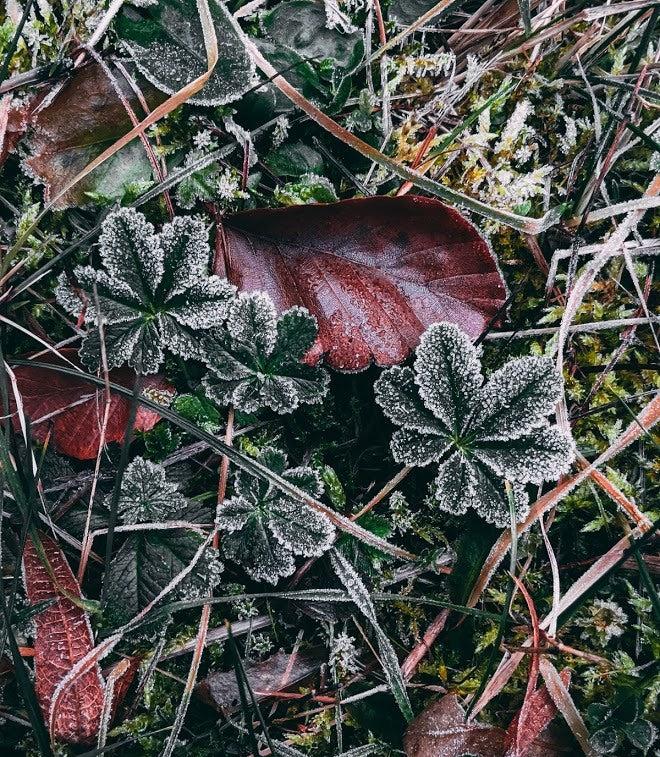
[
  {"x": 153, "y": 292},
  {"x": 84, "y": 118},
  {"x": 255, "y": 362},
  {"x": 265, "y": 529},
  {"x": 375, "y": 272},
  {"x": 479, "y": 433},
  {"x": 63, "y": 637},
  {"x": 72, "y": 410},
  {"x": 166, "y": 41},
  {"x": 151, "y": 560}
]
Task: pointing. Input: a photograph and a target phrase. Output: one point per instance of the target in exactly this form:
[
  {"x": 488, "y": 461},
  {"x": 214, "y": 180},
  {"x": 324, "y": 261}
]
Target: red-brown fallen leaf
[
  {"x": 14, "y": 120},
  {"x": 376, "y": 272},
  {"x": 84, "y": 117},
  {"x": 63, "y": 637},
  {"x": 442, "y": 731},
  {"x": 74, "y": 408},
  {"x": 541, "y": 711}
]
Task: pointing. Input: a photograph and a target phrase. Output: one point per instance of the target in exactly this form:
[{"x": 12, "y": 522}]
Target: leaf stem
[{"x": 121, "y": 467}]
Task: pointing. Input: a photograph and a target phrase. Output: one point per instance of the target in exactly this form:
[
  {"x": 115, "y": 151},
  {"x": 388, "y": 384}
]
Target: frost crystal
[
  {"x": 479, "y": 433},
  {"x": 255, "y": 360},
  {"x": 154, "y": 291},
  {"x": 266, "y": 530}
]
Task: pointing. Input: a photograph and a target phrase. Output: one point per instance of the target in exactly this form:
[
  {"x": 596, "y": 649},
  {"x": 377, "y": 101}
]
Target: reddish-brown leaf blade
[
  {"x": 540, "y": 711},
  {"x": 74, "y": 408},
  {"x": 81, "y": 120},
  {"x": 63, "y": 637},
  {"x": 441, "y": 731},
  {"x": 376, "y": 272}
]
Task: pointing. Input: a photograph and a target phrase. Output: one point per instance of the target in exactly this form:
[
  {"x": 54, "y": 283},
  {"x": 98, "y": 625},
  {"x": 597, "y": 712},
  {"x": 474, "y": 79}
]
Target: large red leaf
[
  {"x": 376, "y": 272},
  {"x": 73, "y": 408},
  {"x": 63, "y": 637}
]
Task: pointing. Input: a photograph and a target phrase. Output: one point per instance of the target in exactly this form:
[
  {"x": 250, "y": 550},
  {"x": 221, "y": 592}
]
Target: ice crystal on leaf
[
  {"x": 479, "y": 433},
  {"x": 265, "y": 529},
  {"x": 151, "y": 560},
  {"x": 153, "y": 292},
  {"x": 255, "y": 359}
]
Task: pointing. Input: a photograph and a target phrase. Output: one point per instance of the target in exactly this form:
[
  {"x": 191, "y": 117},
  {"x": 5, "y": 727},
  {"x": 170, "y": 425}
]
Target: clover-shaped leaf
[
  {"x": 148, "y": 561},
  {"x": 479, "y": 433},
  {"x": 153, "y": 292},
  {"x": 266, "y": 530},
  {"x": 255, "y": 361}
]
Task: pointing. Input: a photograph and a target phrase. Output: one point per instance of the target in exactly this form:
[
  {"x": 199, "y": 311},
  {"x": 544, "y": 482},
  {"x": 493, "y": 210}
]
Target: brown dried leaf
[
  {"x": 278, "y": 673},
  {"x": 63, "y": 637},
  {"x": 85, "y": 117},
  {"x": 376, "y": 272},
  {"x": 74, "y": 408}
]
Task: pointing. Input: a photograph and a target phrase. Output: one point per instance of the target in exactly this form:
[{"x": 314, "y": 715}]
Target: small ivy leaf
[
  {"x": 255, "y": 362},
  {"x": 265, "y": 529},
  {"x": 480, "y": 434},
  {"x": 153, "y": 293},
  {"x": 165, "y": 40},
  {"x": 641, "y": 733},
  {"x": 146, "y": 495},
  {"x": 517, "y": 398}
]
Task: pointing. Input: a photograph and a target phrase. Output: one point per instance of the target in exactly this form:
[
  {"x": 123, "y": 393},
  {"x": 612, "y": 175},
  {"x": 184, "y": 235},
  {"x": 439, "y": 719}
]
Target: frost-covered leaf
[
  {"x": 517, "y": 398},
  {"x": 72, "y": 409},
  {"x": 375, "y": 272},
  {"x": 149, "y": 561},
  {"x": 154, "y": 292},
  {"x": 448, "y": 374},
  {"x": 265, "y": 529},
  {"x": 166, "y": 41},
  {"x": 146, "y": 495},
  {"x": 480, "y": 434},
  {"x": 256, "y": 361}
]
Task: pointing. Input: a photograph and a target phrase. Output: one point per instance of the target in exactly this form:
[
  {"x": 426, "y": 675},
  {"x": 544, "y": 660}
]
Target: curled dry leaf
[
  {"x": 74, "y": 408},
  {"x": 63, "y": 637},
  {"x": 276, "y": 674},
  {"x": 442, "y": 731},
  {"x": 72, "y": 128},
  {"x": 376, "y": 272}
]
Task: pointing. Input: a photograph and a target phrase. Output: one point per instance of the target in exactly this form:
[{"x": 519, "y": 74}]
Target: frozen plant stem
[
  {"x": 121, "y": 467},
  {"x": 509, "y": 596},
  {"x": 203, "y": 628},
  {"x": 389, "y": 486}
]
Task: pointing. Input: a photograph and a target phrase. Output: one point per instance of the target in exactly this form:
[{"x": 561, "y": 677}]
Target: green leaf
[
  {"x": 302, "y": 25},
  {"x": 167, "y": 43},
  {"x": 295, "y": 159},
  {"x": 255, "y": 363},
  {"x": 265, "y": 530},
  {"x": 146, "y": 496},
  {"x": 641, "y": 733},
  {"x": 472, "y": 549},
  {"x": 148, "y": 562},
  {"x": 154, "y": 292}
]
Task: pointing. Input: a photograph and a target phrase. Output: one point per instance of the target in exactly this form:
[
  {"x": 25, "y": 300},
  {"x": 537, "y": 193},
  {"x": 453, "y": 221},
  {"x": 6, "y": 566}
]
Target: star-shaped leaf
[
  {"x": 255, "y": 361},
  {"x": 266, "y": 530},
  {"x": 479, "y": 433},
  {"x": 154, "y": 292}
]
